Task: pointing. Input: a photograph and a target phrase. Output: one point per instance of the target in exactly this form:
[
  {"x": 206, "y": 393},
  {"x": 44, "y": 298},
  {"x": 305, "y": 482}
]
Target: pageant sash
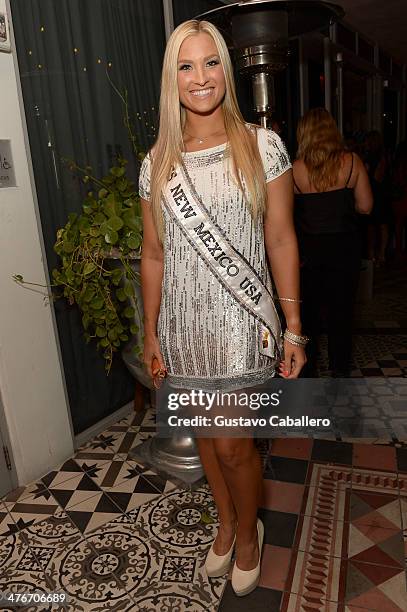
[{"x": 227, "y": 264}]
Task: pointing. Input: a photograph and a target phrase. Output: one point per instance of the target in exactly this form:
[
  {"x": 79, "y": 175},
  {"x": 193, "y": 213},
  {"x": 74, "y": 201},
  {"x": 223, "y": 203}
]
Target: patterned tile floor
[
  {"x": 380, "y": 329},
  {"x": 116, "y": 536}
]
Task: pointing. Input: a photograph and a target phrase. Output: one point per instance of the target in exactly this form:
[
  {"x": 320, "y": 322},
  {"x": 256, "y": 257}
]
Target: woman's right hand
[{"x": 152, "y": 349}]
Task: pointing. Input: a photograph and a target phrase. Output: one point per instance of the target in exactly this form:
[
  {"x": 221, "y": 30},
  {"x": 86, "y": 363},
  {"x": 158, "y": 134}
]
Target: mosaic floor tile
[
  {"x": 20, "y": 571},
  {"x": 374, "y": 587},
  {"x": 108, "y": 442},
  {"x": 161, "y": 596},
  {"x": 32, "y": 509},
  {"x": 332, "y": 452},
  {"x": 380, "y": 457},
  {"x": 131, "y": 493},
  {"x": 149, "y": 551},
  {"x": 376, "y": 509},
  {"x": 14, "y": 554},
  {"x": 89, "y": 456},
  {"x": 182, "y": 529},
  {"x": 65, "y": 471},
  {"x": 383, "y": 547},
  {"x": 93, "y": 512},
  {"x": 75, "y": 490},
  {"x": 286, "y": 469},
  {"x": 297, "y": 603},
  {"x": 259, "y": 599},
  {"x": 124, "y": 424},
  {"x": 316, "y": 576},
  {"x": 87, "y": 603},
  {"x": 7, "y": 525},
  {"x": 149, "y": 419},
  {"x": 275, "y": 564},
  {"x": 340, "y": 539},
  {"x": 161, "y": 483},
  {"x": 207, "y": 590},
  {"x": 140, "y": 437},
  {"x": 321, "y": 536},
  {"x": 108, "y": 474},
  {"x": 148, "y": 566},
  {"x": 295, "y": 448},
  {"x": 33, "y": 489},
  {"x": 56, "y": 532},
  {"x": 117, "y": 562},
  {"x": 282, "y": 496},
  {"x": 279, "y": 527}
]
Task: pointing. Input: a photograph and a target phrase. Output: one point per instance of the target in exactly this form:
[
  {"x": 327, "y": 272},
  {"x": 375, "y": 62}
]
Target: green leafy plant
[
  {"x": 110, "y": 226},
  {"x": 109, "y": 229}
]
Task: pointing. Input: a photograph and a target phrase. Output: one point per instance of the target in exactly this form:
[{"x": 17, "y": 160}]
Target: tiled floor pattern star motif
[{"x": 114, "y": 535}]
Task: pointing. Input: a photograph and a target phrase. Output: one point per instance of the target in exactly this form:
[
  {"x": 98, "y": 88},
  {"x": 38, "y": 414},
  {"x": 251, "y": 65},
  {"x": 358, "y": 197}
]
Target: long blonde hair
[
  {"x": 320, "y": 146},
  {"x": 167, "y": 150}
]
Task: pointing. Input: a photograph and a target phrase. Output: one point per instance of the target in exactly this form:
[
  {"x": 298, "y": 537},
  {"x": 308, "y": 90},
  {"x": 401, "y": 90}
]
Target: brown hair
[{"x": 321, "y": 147}]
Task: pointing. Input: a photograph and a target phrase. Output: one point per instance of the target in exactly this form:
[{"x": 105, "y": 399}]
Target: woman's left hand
[{"x": 294, "y": 360}]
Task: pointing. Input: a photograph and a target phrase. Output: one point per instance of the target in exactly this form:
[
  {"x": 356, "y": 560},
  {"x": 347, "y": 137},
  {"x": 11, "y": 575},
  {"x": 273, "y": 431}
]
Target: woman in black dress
[{"x": 331, "y": 188}]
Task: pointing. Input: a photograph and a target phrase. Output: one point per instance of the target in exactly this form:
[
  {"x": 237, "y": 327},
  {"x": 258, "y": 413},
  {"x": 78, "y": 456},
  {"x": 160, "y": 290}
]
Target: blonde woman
[
  {"x": 216, "y": 196},
  {"x": 331, "y": 189}
]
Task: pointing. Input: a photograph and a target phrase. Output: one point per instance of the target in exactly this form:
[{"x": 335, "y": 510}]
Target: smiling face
[{"x": 201, "y": 80}]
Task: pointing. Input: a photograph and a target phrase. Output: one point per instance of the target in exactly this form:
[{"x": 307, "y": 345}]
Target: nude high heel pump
[
  {"x": 218, "y": 565},
  {"x": 245, "y": 581}
]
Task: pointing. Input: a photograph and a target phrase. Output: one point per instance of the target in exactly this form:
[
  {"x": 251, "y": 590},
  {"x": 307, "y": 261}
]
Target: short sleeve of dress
[
  {"x": 144, "y": 178},
  {"x": 273, "y": 153}
]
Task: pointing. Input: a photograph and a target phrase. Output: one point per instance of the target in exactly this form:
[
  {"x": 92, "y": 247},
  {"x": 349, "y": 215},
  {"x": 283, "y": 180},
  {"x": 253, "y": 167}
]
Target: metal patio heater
[{"x": 258, "y": 31}]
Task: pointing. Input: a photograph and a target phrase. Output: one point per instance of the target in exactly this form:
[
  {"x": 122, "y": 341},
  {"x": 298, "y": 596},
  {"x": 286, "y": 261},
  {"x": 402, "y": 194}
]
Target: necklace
[{"x": 202, "y": 139}]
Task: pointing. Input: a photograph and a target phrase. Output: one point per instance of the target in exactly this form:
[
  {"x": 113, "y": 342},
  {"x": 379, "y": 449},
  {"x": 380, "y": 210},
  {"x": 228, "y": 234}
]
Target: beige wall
[{"x": 31, "y": 379}]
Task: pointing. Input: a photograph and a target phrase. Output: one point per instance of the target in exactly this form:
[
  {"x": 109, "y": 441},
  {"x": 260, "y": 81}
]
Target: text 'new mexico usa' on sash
[{"x": 230, "y": 267}]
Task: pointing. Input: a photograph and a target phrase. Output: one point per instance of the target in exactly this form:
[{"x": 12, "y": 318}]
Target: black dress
[{"x": 330, "y": 250}]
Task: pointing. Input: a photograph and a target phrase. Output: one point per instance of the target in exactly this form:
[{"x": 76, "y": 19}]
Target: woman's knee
[{"x": 233, "y": 453}]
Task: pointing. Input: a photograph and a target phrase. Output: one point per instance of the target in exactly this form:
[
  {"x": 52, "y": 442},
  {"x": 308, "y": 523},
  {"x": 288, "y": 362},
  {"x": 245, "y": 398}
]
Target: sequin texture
[{"x": 207, "y": 339}]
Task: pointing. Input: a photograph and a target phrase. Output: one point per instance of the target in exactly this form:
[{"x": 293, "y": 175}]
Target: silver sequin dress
[{"x": 207, "y": 339}]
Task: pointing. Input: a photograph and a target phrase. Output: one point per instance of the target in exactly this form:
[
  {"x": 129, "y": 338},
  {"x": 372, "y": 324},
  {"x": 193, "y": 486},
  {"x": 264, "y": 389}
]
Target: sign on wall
[
  {"x": 4, "y": 28},
  {"x": 7, "y": 176}
]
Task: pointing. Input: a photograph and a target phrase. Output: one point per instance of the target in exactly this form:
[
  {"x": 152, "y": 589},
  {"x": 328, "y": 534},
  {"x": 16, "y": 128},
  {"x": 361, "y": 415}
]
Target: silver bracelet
[
  {"x": 280, "y": 299},
  {"x": 295, "y": 339}
]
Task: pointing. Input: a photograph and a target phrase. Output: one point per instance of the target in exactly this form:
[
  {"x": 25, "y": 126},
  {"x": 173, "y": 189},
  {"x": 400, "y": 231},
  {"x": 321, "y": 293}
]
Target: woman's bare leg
[
  {"x": 241, "y": 466},
  {"x": 221, "y": 494}
]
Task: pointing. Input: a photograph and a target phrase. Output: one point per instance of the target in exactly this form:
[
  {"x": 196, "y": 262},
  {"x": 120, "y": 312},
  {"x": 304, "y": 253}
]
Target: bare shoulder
[
  {"x": 358, "y": 164},
  {"x": 299, "y": 168}
]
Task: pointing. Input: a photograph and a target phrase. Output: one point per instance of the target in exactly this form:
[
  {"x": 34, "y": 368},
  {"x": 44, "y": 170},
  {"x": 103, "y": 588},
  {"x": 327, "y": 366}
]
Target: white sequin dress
[{"x": 207, "y": 339}]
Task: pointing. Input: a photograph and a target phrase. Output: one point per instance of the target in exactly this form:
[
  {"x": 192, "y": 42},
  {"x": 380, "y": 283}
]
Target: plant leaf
[
  {"x": 129, "y": 312},
  {"x": 120, "y": 294},
  {"x": 115, "y": 223},
  {"x": 97, "y": 303},
  {"x": 111, "y": 237},
  {"x": 133, "y": 242},
  {"x": 129, "y": 289},
  {"x": 89, "y": 268},
  {"x": 68, "y": 247}
]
